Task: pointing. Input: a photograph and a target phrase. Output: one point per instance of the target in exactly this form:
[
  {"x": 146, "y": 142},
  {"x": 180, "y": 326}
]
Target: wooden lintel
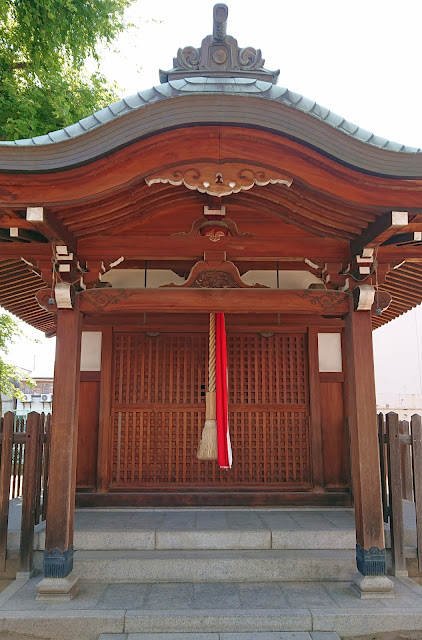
[
  {"x": 390, "y": 253},
  {"x": 104, "y": 301},
  {"x": 50, "y": 227},
  {"x": 379, "y": 231},
  {"x": 31, "y": 251},
  {"x": 248, "y": 249},
  {"x": 19, "y": 223},
  {"x": 26, "y": 234},
  {"x": 404, "y": 238}
]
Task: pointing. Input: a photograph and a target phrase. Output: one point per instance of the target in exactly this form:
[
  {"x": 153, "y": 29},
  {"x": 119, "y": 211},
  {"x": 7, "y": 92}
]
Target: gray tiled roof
[{"x": 204, "y": 86}]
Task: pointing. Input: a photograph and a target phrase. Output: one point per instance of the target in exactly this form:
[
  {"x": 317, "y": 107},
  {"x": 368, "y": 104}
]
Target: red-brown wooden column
[
  {"x": 58, "y": 555},
  {"x": 370, "y": 547}
]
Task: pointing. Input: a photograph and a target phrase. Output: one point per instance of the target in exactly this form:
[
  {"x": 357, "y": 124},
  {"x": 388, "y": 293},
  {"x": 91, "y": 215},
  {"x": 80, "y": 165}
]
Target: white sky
[{"x": 360, "y": 59}]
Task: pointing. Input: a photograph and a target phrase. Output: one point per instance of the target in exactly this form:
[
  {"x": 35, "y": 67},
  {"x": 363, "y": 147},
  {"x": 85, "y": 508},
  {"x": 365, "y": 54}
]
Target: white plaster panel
[
  {"x": 287, "y": 279},
  {"x": 135, "y": 278},
  {"x": 91, "y": 351},
  {"x": 329, "y": 352}
]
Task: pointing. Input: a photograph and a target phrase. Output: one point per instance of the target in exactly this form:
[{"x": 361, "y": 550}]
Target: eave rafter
[
  {"x": 379, "y": 231},
  {"x": 35, "y": 224}
]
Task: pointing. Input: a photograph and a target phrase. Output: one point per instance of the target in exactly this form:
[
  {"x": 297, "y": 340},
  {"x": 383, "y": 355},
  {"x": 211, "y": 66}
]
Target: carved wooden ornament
[
  {"x": 214, "y": 230},
  {"x": 215, "y": 275},
  {"x": 219, "y": 180}
]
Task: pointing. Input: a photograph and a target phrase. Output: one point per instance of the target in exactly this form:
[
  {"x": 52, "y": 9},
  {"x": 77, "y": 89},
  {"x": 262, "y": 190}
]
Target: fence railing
[
  {"x": 24, "y": 465},
  {"x": 400, "y": 446}
]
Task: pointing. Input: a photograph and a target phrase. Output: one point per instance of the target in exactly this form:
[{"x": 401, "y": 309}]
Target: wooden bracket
[
  {"x": 92, "y": 273},
  {"x": 332, "y": 275},
  {"x": 378, "y": 232},
  {"x": 50, "y": 227}
]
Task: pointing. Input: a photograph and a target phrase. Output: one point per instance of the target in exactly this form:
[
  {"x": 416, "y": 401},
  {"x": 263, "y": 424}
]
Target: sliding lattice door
[{"x": 159, "y": 411}]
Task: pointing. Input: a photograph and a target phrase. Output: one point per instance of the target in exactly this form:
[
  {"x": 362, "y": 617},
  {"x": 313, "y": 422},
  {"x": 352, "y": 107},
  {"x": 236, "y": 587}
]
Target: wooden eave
[
  {"x": 18, "y": 286},
  {"x": 100, "y": 208},
  {"x": 178, "y": 111}
]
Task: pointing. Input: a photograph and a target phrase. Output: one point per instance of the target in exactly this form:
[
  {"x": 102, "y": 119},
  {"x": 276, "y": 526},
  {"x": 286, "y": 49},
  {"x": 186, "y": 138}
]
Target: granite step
[
  {"x": 219, "y": 539},
  {"x": 256, "y": 635},
  {"x": 215, "y": 566}
]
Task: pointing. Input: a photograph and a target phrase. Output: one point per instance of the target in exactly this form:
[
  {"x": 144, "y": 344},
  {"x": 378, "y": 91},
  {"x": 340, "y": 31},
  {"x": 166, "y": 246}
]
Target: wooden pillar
[
  {"x": 315, "y": 409},
  {"x": 58, "y": 555},
  {"x": 105, "y": 410},
  {"x": 370, "y": 547}
]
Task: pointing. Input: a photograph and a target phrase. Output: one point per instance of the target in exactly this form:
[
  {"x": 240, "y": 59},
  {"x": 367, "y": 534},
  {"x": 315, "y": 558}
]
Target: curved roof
[{"x": 211, "y": 100}]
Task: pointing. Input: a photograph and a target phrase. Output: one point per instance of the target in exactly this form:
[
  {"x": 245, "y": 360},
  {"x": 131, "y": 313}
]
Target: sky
[{"x": 360, "y": 59}]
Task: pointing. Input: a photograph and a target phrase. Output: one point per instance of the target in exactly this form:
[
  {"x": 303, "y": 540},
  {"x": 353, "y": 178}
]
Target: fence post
[
  {"x": 383, "y": 465},
  {"x": 406, "y": 463},
  {"x": 394, "y": 484},
  {"x": 29, "y": 492},
  {"x": 417, "y": 481},
  {"x": 5, "y": 474},
  {"x": 38, "y": 471},
  {"x": 46, "y": 465}
]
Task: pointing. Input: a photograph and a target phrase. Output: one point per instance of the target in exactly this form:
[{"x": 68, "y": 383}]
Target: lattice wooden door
[{"x": 159, "y": 411}]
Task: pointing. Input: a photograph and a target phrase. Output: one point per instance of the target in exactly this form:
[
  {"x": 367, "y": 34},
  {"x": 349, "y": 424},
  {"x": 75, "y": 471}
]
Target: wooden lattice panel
[{"x": 159, "y": 412}]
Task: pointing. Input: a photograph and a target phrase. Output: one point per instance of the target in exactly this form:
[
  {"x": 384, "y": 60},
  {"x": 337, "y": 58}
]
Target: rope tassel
[{"x": 208, "y": 446}]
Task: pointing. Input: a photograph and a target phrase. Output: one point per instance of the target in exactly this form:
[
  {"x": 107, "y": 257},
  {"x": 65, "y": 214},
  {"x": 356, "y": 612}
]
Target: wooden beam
[
  {"x": 398, "y": 254},
  {"x": 379, "y": 231},
  {"x": 51, "y": 227},
  {"x": 404, "y": 238},
  {"x": 105, "y": 301},
  {"x": 27, "y": 234},
  {"x": 179, "y": 248},
  {"x": 28, "y": 250},
  {"x": 7, "y": 223}
]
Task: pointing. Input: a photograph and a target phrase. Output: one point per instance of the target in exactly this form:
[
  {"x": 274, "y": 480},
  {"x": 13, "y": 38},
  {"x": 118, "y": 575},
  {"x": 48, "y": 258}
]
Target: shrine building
[{"x": 216, "y": 191}]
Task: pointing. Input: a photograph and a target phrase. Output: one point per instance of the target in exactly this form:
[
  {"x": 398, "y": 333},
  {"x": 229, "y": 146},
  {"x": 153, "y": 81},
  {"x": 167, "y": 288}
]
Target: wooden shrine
[{"x": 216, "y": 191}]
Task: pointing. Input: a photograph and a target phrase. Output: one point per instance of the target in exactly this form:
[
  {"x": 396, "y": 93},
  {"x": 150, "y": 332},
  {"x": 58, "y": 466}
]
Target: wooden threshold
[{"x": 215, "y": 499}]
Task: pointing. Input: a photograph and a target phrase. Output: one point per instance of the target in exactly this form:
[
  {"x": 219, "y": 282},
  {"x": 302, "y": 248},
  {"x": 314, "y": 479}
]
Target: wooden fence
[
  {"x": 24, "y": 464},
  {"x": 401, "y": 479}
]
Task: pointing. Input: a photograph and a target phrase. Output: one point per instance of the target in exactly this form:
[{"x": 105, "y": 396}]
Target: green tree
[
  {"x": 44, "y": 84},
  {"x": 9, "y": 374}
]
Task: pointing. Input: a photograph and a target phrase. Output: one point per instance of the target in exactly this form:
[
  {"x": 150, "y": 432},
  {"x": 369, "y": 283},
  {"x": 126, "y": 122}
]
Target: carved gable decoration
[
  {"x": 214, "y": 230},
  {"x": 219, "y": 179},
  {"x": 219, "y": 56},
  {"x": 215, "y": 274}
]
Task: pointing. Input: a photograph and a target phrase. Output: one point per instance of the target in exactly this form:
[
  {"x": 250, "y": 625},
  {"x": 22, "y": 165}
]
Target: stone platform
[
  {"x": 209, "y": 574},
  {"x": 236, "y": 611},
  {"x": 201, "y": 528}
]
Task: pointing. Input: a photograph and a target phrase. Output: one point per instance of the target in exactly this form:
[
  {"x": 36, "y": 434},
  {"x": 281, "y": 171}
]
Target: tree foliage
[
  {"x": 9, "y": 374},
  {"x": 44, "y": 84}
]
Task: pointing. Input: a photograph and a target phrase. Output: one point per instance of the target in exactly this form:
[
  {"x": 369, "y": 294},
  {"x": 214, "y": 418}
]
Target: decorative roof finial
[
  {"x": 219, "y": 56},
  {"x": 220, "y": 13}
]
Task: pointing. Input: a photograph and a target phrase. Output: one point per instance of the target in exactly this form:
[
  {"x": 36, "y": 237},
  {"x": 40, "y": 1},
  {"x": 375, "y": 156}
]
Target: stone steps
[
  {"x": 266, "y": 635},
  {"x": 214, "y": 566},
  {"x": 140, "y": 539}
]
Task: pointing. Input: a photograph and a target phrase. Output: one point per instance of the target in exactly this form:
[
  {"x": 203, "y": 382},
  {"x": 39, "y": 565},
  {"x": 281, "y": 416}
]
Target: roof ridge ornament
[{"x": 219, "y": 56}]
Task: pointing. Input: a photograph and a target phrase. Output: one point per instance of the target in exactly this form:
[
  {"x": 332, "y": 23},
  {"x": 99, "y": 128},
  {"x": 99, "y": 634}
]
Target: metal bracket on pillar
[
  {"x": 64, "y": 293},
  {"x": 57, "y": 563},
  {"x": 371, "y": 562},
  {"x": 363, "y": 297}
]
